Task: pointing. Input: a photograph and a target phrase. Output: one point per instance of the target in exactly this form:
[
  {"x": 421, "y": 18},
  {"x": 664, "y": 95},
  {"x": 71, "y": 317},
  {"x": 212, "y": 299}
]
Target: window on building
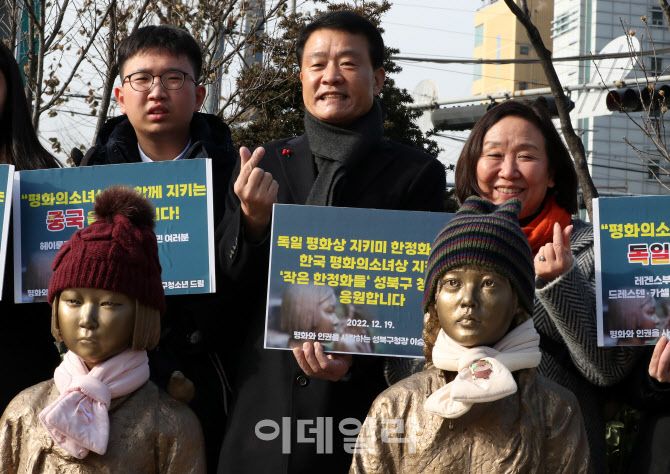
[
  {"x": 657, "y": 169},
  {"x": 655, "y": 172},
  {"x": 564, "y": 23},
  {"x": 478, "y": 71},
  {"x": 524, "y": 50},
  {"x": 656, "y": 66},
  {"x": 523, "y": 86},
  {"x": 479, "y": 35},
  {"x": 656, "y": 16}
]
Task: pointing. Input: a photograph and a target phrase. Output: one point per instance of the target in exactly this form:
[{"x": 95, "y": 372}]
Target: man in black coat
[{"x": 292, "y": 411}]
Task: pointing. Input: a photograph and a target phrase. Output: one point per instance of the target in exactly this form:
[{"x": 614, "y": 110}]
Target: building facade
[
  {"x": 498, "y": 35},
  {"x": 583, "y": 27}
]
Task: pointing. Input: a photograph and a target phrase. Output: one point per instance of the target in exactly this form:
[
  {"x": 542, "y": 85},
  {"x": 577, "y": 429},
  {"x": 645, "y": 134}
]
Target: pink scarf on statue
[{"x": 78, "y": 420}]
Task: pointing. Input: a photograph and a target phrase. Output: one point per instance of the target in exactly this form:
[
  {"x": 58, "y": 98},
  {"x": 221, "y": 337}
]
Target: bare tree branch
[
  {"x": 653, "y": 105},
  {"x": 573, "y": 141},
  {"x": 666, "y": 10},
  {"x": 59, "y": 22},
  {"x": 40, "y": 67},
  {"x": 111, "y": 73},
  {"x": 57, "y": 95},
  {"x": 141, "y": 15}
]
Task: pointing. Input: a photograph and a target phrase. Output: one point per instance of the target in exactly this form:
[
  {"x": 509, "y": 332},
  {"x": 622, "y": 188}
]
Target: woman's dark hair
[
  {"x": 162, "y": 38},
  {"x": 18, "y": 140},
  {"x": 560, "y": 161},
  {"x": 350, "y": 22}
]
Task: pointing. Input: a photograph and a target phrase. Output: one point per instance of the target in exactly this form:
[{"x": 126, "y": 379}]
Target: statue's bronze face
[
  {"x": 95, "y": 324},
  {"x": 475, "y": 306}
]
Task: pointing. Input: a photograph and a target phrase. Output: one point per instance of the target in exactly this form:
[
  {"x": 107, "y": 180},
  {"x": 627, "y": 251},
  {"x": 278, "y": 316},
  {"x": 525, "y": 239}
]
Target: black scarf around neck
[{"x": 338, "y": 149}]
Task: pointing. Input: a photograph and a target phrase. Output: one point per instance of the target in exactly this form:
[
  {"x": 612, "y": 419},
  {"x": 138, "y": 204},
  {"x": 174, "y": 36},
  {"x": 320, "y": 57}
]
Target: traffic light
[
  {"x": 632, "y": 99},
  {"x": 465, "y": 117}
]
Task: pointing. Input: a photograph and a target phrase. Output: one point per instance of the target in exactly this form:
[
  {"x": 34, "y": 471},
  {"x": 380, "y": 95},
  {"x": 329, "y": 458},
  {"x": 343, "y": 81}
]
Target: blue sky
[{"x": 430, "y": 28}]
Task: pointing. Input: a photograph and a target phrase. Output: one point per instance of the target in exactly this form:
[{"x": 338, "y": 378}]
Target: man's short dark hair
[
  {"x": 166, "y": 38},
  {"x": 350, "y": 22}
]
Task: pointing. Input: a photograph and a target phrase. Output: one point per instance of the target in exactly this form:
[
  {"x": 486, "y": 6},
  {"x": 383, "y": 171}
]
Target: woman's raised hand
[{"x": 555, "y": 258}]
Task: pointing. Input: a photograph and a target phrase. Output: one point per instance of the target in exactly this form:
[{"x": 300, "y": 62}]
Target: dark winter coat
[
  {"x": 190, "y": 321},
  {"x": 116, "y": 143},
  {"x": 268, "y": 386}
]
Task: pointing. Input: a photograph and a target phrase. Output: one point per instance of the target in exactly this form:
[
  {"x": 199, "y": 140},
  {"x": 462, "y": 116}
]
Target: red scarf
[{"x": 540, "y": 231}]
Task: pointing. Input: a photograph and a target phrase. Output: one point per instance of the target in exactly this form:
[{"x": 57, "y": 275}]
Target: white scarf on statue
[{"x": 484, "y": 373}]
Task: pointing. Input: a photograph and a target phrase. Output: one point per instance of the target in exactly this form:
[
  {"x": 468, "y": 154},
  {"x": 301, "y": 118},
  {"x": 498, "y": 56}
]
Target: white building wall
[{"x": 615, "y": 167}]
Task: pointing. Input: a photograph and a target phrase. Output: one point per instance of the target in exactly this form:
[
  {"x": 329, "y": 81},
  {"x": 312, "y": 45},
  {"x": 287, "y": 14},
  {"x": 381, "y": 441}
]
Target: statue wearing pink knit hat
[{"x": 100, "y": 413}]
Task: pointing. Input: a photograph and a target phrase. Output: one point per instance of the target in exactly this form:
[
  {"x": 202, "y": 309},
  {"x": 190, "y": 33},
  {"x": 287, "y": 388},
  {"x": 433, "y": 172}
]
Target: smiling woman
[
  {"x": 514, "y": 163},
  {"x": 514, "y": 151}
]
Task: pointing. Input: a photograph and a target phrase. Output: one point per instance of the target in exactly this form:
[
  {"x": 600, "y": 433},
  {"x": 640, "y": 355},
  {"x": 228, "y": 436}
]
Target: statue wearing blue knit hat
[{"x": 478, "y": 405}]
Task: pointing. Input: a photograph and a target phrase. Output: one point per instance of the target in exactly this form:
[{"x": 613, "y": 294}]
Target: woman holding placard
[{"x": 514, "y": 151}]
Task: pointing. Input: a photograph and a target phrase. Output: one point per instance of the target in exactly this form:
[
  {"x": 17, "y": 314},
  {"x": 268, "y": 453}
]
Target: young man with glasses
[{"x": 160, "y": 95}]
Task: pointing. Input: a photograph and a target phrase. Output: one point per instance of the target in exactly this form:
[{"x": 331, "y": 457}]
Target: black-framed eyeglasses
[{"x": 171, "y": 80}]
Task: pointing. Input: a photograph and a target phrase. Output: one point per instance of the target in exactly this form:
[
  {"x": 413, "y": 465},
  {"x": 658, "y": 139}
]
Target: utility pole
[
  {"x": 214, "y": 89},
  {"x": 254, "y": 15},
  {"x": 251, "y": 19}
]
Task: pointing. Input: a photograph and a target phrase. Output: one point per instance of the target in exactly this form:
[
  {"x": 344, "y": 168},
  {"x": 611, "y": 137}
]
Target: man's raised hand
[{"x": 257, "y": 191}]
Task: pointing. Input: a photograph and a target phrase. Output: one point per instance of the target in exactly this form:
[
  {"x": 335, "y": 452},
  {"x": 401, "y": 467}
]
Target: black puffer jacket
[
  {"x": 191, "y": 322},
  {"x": 116, "y": 143}
]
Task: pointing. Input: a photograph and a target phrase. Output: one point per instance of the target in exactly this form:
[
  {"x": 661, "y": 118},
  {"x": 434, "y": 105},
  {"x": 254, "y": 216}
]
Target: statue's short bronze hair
[
  {"x": 146, "y": 329},
  {"x": 300, "y": 305},
  {"x": 431, "y": 321}
]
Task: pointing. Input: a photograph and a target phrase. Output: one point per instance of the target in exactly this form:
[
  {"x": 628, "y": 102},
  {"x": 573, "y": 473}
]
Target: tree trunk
[
  {"x": 573, "y": 141},
  {"x": 666, "y": 10},
  {"x": 39, "y": 74},
  {"x": 112, "y": 72}
]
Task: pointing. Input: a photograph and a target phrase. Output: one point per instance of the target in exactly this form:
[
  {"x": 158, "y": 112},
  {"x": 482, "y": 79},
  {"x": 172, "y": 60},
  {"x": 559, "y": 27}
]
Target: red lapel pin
[{"x": 286, "y": 152}]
